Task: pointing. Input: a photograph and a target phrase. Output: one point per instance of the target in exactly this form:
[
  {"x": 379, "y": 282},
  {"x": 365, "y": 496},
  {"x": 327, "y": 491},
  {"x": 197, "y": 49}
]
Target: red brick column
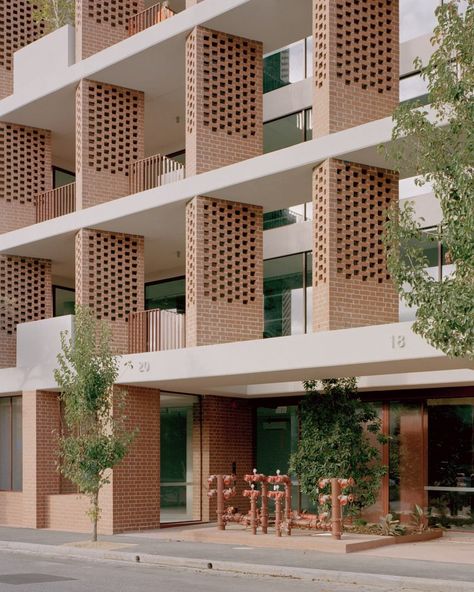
[
  {"x": 227, "y": 437},
  {"x": 224, "y": 100},
  {"x": 109, "y": 136},
  {"x": 26, "y": 285},
  {"x": 102, "y": 24},
  {"x": 110, "y": 277},
  {"x": 351, "y": 285},
  {"x": 136, "y": 480},
  {"x": 41, "y": 426},
  {"x": 356, "y": 62},
  {"x": 25, "y": 170},
  {"x": 17, "y": 29},
  {"x": 224, "y": 272}
]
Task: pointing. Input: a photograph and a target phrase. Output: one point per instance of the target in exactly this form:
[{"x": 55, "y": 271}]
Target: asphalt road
[{"x": 31, "y": 573}]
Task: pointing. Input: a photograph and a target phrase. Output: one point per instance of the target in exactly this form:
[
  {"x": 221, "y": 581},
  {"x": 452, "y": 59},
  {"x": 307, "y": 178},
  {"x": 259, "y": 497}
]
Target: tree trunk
[{"x": 95, "y": 515}]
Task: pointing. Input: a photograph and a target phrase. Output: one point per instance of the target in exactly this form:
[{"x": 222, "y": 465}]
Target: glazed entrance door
[{"x": 451, "y": 461}]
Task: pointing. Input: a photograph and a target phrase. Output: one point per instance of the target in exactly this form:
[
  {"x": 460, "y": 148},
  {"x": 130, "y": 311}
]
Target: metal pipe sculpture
[
  {"x": 224, "y": 490},
  {"x": 338, "y": 498},
  {"x": 252, "y": 480},
  {"x": 277, "y": 495}
]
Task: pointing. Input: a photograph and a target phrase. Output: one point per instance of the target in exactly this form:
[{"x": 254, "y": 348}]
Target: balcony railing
[
  {"x": 54, "y": 203},
  {"x": 154, "y": 171},
  {"x": 156, "y": 330},
  {"x": 147, "y": 18}
]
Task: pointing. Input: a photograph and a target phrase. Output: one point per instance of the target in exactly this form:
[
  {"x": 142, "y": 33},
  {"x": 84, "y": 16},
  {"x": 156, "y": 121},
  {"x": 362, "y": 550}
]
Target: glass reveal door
[
  {"x": 180, "y": 458},
  {"x": 451, "y": 461}
]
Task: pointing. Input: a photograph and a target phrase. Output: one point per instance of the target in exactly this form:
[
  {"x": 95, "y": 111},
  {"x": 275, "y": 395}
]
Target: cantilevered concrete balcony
[
  {"x": 156, "y": 330},
  {"x": 54, "y": 203}
]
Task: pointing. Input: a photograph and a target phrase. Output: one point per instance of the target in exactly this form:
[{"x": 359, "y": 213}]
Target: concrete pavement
[{"x": 158, "y": 549}]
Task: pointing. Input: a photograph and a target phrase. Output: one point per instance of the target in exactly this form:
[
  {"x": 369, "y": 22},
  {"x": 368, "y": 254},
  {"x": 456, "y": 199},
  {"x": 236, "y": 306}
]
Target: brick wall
[
  {"x": 41, "y": 424},
  {"x": 356, "y": 62},
  {"x": 227, "y": 437},
  {"x": 109, "y": 136},
  {"x": 17, "y": 29},
  {"x": 224, "y": 272},
  {"x": 27, "y": 285},
  {"x": 11, "y": 508},
  {"x": 25, "y": 169},
  {"x": 351, "y": 285},
  {"x": 110, "y": 278},
  {"x": 101, "y": 24},
  {"x": 136, "y": 480},
  {"x": 224, "y": 100}
]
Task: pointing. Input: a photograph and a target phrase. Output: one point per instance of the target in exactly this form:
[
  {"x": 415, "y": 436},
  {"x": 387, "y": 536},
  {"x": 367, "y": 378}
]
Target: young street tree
[
  {"x": 54, "y": 13},
  {"x": 339, "y": 435},
  {"x": 95, "y": 437},
  {"x": 438, "y": 145}
]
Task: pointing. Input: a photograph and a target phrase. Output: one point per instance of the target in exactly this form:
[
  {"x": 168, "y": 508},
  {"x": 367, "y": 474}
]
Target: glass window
[
  {"x": 286, "y": 292},
  {"x": 284, "y": 132},
  {"x": 309, "y": 56},
  {"x": 179, "y": 465},
  {"x": 166, "y": 295},
  {"x": 284, "y": 67},
  {"x": 179, "y": 157},
  {"x": 417, "y": 18},
  {"x": 278, "y": 218},
  {"x": 451, "y": 461},
  {"x": 62, "y": 177},
  {"x": 11, "y": 444},
  {"x": 63, "y": 301}
]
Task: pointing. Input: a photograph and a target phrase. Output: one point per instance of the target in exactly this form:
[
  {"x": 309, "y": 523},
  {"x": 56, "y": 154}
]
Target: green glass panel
[
  {"x": 173, "y": 437},
  {"x": 61, "y": 177},
  {"x": 283, "y": 296},
  {"x": 64, "y": 301},
  {"x": 284, "y": 132},
  {"x": 167, "y": 295}
]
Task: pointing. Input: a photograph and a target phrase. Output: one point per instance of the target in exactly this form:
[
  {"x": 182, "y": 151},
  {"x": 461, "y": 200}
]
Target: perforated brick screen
[
  {"x": 109, "y": 273},
  {"x": 17, "y": 29},
  {"x": 351, "y": 283},
  {"x": 26, "y": 285},
  {"x": 224, "y": 109},
  {"x": 224, "y": 258},
  {"x": 356, "y": 62}
]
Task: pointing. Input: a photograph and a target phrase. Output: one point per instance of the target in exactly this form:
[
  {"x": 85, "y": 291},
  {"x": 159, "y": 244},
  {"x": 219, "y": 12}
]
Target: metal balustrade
[
  {"x": 154, "y": 171},
  {"x": 54, "y": 203},
  {"x": 156, "y": 330},
  {"x": 149, "y": 17}
]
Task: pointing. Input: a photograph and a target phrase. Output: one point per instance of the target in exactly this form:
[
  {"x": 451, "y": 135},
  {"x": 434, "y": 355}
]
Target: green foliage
[
  {"x": 438, "y": 145},
  {"x": 95, "y": 438},
  {"x": 419, "y": 520},
  {"x": 390, "y": 527},
  {"x": 339, "y": 435},
  {"x": 54, "y": 13}
]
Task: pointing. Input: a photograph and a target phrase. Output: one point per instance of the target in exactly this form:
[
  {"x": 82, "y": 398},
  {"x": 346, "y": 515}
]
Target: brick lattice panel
[
  {"x": 351, "y": 284},
  {"x": 356, "y": 62},
  {"x": 100, "y": 24},
  {"x": 109, "y": 273},
  {"x": 224, "y": 253},
  {"x": 17, "y": 29},
  {"x": 27, "y": 287},
  {"x": 224, "y": 101},
  {"x": 227, "y": 437},
  {"x": 109, "y": 137},
  {"x": 25, "y": 170}
]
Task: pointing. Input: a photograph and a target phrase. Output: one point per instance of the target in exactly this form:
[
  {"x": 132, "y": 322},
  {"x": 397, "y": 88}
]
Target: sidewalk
[{"x": 444, "y": 564}]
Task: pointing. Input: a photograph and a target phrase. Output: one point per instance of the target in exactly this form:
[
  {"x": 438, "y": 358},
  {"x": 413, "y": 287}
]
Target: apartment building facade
[{"x": 205, "y": 176}]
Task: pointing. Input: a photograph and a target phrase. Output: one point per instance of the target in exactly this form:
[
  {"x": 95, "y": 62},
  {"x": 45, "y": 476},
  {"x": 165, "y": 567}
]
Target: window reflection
[
  {"x": 166, "y": 295},
  {"x": 287, "y": 290}
]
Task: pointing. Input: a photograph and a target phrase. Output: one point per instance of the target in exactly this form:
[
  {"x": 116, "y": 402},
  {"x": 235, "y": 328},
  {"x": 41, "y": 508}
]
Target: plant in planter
[
  {"x": 390, "y": 527},
  {"x": 419, "y": 520},
  {"x": 337, "y": 440}
]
